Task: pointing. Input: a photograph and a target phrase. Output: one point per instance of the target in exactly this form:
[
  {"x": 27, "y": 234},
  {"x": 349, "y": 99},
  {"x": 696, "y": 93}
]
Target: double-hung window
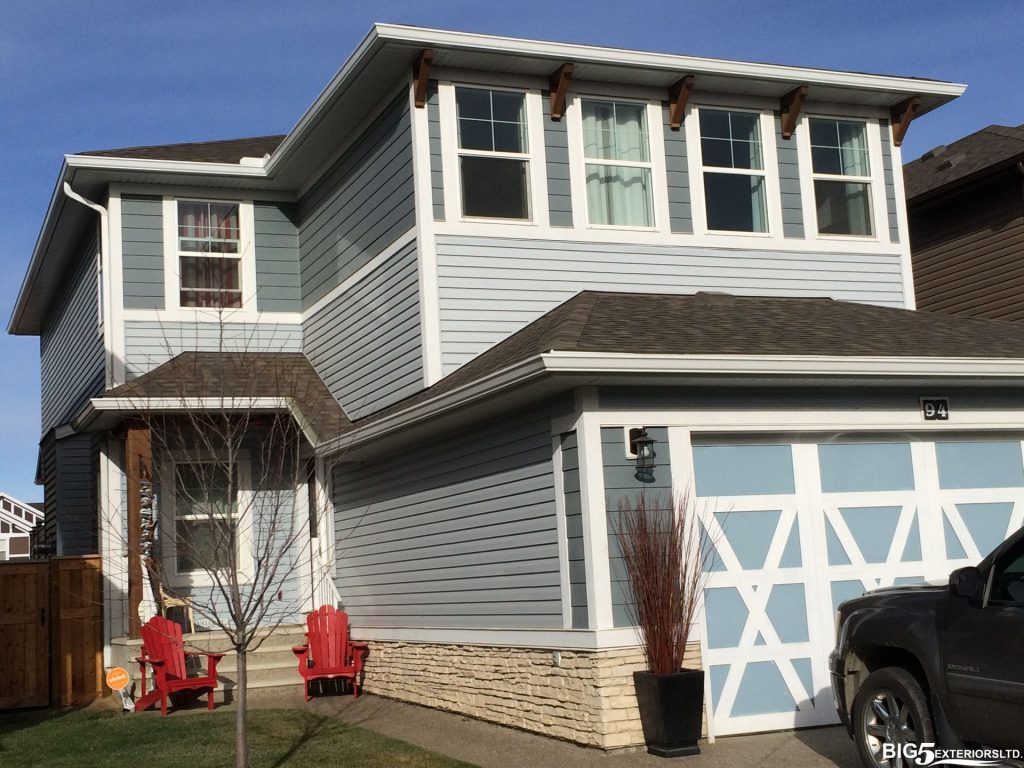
[
  {"x": 494, "y": 153},
  {"x": 733, "y": 167},
  {"x": 842, "y": 176},
  {"x": 617, "y": 156},
  {"x": 209, "y": 254},
  {"x": 205, "y": 516}
]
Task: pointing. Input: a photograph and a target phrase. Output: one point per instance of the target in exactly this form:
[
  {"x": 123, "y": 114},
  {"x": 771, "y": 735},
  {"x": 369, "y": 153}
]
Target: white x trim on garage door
[{"x": 798, "y": 526}]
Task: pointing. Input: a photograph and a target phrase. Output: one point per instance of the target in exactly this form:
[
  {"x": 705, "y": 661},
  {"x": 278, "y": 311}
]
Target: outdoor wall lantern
[{"x": 642, "y": 446}]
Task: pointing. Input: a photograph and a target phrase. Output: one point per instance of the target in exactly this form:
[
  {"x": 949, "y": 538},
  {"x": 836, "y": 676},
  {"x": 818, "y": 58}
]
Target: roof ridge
[{"x": 172, "y": 145}]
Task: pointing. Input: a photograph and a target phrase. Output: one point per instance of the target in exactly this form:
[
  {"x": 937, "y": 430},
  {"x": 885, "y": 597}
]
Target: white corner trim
[
  {"x": 561, "y": 528},
  {"x": 381, "y": 258},
  {"x": 426, "y": 245},
  {"x": 594, "y": 513}
]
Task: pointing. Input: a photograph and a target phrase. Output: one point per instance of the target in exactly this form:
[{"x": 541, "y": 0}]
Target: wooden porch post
[{"x": 139, "y": 471}]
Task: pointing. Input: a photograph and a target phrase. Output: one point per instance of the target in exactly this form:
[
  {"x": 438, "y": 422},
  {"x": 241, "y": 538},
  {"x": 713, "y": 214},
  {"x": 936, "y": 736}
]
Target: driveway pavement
[{"x": 494, "y": 746}]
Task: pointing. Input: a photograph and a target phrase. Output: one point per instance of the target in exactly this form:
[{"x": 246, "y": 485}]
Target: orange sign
[{"x": 117, "y": 678}]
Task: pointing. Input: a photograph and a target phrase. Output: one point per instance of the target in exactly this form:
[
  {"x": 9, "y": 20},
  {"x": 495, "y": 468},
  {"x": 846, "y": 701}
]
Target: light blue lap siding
[
  {"x": 71, "y": 353},
  {"x": 277, "y": 258},
  {"x": 556, "y": 155},
  {"x": 680, "y": 216},
  {"x": 366, "y": 344},
  {"x": 152, "y": 343},
  {"x": 460, "y": 532},
  {"x": 789, "y": 183},
  {"x": 574, "y": 530},
  {"x": 142, "y": 249},
  {"x": 434, "y": 138},
  {"x": 890, "y": 185},
  {"x": 491, "y": 287},
  {"x": 622, "y": 487},
  {"x": 360, "y": 206}
]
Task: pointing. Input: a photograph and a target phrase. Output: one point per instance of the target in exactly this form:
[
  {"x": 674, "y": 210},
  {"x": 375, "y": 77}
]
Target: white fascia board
[
  {"x": 664, "y": 61},
  {"x": 783, "y": 365},
  {"x": 774, "y": 366},
  {"x": 45, "y": 233},
  {"x": 146, "y": 165}
]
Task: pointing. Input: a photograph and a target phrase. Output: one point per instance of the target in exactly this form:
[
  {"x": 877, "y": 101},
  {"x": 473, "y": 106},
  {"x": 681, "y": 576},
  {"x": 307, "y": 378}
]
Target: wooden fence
[{"x": 51, "y": 632}]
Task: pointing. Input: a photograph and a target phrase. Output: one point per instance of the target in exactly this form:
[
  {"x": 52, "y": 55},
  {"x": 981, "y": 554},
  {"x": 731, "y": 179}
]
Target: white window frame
[
  {"x": 578, "y": 161},
  {"x": 246, "y": 257},
  {"x": 770, "y": 172},
  {"x": 876, "y": 181},
  {"x": 168, "y": 519},
  {"x": 450, "y": 153}
]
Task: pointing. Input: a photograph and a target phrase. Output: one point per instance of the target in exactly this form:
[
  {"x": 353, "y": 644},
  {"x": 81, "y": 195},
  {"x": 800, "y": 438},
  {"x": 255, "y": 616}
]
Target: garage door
[{"x": 799, "y": 526}]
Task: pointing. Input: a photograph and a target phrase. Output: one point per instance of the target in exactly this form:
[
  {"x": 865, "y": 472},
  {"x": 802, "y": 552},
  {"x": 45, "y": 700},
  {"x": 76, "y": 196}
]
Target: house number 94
[{"x": 935, "y": 408}]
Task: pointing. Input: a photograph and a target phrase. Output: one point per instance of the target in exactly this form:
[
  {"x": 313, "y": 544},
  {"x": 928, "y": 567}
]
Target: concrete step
[{"x": 261, "y": 676}]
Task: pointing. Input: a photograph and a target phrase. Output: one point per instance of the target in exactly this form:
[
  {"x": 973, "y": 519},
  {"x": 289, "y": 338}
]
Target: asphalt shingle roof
[
  {"x": 721, "y": 324},
  {"x": 243, "y": 375},
  {"x": 996, "y": 145},
  {"x": 226, "y": 151}
]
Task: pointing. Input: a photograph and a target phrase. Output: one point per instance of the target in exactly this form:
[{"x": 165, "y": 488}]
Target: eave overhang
[{"x": 553, "y": 372}]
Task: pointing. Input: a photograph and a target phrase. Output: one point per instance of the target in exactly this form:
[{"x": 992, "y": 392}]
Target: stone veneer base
[{"x": 585, "y": 696}]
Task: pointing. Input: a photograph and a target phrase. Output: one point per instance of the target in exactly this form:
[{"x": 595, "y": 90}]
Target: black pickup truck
[{"x": 940, "y": 665}]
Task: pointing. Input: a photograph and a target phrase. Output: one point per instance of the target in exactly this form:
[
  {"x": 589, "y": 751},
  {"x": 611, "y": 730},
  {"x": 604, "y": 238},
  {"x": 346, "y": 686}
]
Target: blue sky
[{"x": 77, "y": 76}]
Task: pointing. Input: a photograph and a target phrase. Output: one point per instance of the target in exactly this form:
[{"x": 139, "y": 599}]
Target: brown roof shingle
[
  {"x": 721, "y": 324},
  {"x": 225, "y": 151},
  {"x": 996, "y": 145},
  {"x": 243, "y": 375}
]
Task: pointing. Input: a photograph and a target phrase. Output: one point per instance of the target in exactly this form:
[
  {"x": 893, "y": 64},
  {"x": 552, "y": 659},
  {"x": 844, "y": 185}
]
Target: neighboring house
[
  {"x": 17, "y": 521},
  {"x": 965, "y": 206},
  {"x": 498, "y": 258}
]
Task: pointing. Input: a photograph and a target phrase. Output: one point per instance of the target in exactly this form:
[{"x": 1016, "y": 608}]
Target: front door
[
  {"x": 24, "y": 633},
  {"x": 983, "y": 657}
]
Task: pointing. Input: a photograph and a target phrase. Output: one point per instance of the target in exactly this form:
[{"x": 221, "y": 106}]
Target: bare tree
[{"x": 231, "y": 466}]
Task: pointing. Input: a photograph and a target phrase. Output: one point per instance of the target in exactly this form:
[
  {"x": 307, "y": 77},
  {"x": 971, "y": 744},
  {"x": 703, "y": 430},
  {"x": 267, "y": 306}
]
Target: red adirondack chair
[
  {"x": 329, "y": 652},
  {"x": 164, "y": 650}
]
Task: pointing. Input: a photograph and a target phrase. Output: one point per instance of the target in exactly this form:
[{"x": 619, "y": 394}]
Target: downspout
[{"x": 103, "y": 478}]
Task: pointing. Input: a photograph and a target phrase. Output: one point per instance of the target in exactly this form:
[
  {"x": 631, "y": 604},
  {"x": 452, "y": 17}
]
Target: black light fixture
[{"x": 642, "y": 446}]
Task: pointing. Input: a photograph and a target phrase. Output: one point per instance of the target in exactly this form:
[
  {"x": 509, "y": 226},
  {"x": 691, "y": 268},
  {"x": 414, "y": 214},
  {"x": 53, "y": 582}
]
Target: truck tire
[{"x": 890, "y": 708}]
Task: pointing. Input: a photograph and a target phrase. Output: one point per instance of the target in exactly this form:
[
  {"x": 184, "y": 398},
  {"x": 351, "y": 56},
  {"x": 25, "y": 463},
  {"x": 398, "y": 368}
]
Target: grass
[{"x": 278, "y": 738}]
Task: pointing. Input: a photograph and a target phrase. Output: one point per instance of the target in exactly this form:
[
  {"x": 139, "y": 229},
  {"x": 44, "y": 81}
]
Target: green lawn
[{"x": 278, "y": 738}]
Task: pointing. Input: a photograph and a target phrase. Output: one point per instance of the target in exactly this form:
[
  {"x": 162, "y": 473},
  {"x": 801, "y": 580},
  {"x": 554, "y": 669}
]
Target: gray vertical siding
[
  {"x": 680, "y": 213},
  {"x": 149, "y": 343},
  {"x": 361, "y": 204},
  {"x": 366, "y": 344},
  {"x": 460, "y": 532},
  {"x": 620, "y": 485},
  {"x": 276, "y": 238},
  {"x": 789, "y": 183},
  {"x": 434, "y": 140},
  {"x": 142, "y": 251},
  {"x": 71, "y": 352},
  {"x": 491, "y": 287},
  {"x": 556, "y": 155},
  {"x": 890, "y": 184},
  {"x": 574, "y": 530}
]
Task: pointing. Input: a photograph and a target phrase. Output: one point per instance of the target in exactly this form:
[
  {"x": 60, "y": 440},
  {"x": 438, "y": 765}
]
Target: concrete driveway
[{"x": 494, "y": 746}]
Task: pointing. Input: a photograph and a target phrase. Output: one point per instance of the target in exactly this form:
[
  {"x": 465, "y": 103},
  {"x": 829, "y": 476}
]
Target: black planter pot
[{"x": 671, "y": 710}]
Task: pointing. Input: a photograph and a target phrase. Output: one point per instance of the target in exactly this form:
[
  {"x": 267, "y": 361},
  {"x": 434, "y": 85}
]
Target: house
[
  {"x": 17, "y": 521},
  {"x": 474, "y": 268},
  {"x": 966, "y": 217}
]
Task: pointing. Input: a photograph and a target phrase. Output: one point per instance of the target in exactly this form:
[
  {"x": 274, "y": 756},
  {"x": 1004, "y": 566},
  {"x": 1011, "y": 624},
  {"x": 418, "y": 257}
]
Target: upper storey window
[
  {"x": 618, "y": 164},
  {"x": 209, "y": 254},
  {"x": 842, "y": 177},
  {"x": 733, "y": 168},
  {"x": 494, "y": 153}
]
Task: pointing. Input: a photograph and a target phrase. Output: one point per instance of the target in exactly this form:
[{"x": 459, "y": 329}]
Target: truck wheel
[{"x": 890, "y": 709}]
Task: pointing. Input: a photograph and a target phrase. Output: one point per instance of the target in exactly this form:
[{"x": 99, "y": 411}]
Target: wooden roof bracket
[
  {"x": 678, "y": 95},
  {"x": 421, "y": 76},
  {"x": 559, "y": 84},
  {"x": 901, "y": 116},
  {"x": 790, "y": 106}
]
